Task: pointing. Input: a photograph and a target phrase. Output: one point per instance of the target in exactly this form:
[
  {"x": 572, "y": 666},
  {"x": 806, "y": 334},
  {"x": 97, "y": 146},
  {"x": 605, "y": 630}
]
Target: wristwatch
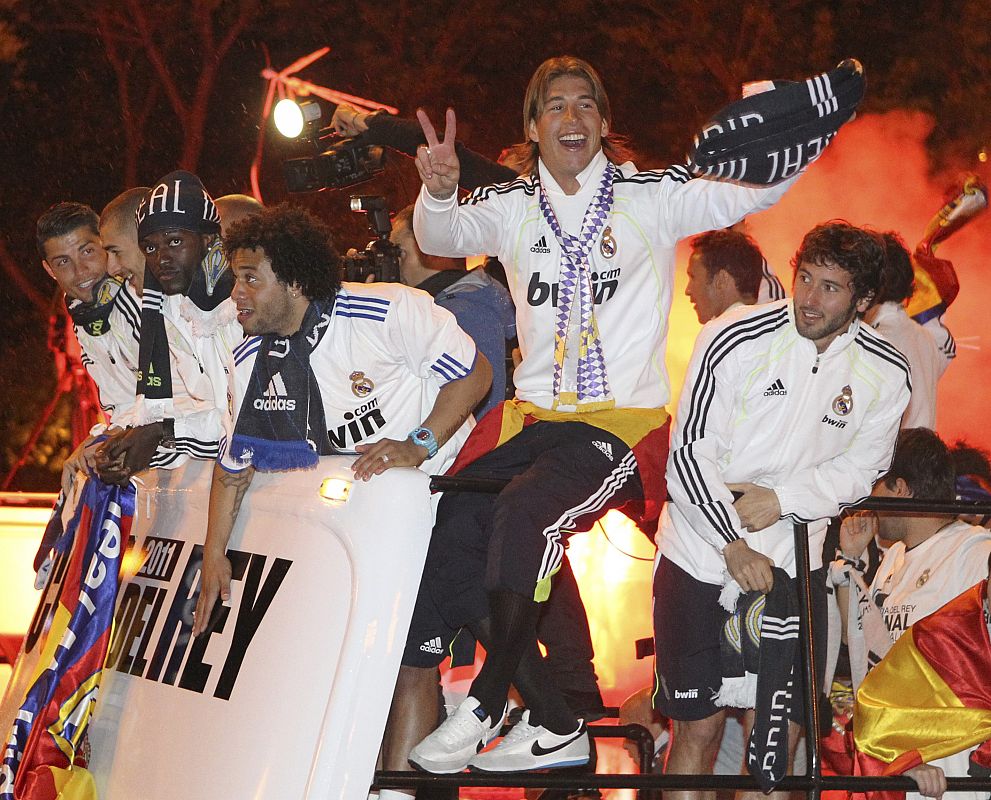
[
  {"x": 425, "y": 438},
  {"x": 168, "y": 434}
]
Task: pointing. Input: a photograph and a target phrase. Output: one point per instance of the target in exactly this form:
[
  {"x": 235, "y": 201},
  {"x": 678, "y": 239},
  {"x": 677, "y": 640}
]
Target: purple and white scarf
[{"x": 580, "y": 378}]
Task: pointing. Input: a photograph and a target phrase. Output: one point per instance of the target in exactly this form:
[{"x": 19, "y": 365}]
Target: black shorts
[{"x": 687, "y": 624}]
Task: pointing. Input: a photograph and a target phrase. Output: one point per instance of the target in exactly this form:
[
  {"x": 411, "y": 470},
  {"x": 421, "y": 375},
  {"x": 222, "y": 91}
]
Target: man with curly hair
[
  {"x": 789, "y": 413},
  {"x": 378, "y": 370}
]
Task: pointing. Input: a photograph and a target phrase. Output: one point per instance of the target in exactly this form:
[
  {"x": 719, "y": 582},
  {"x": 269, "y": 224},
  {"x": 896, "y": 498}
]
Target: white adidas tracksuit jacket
[
  {"x": 761, "y": 406},
  {"x": 111, "y": 359},
  {"x": 200, "y": 344},
  {"x": 632, "y": 289}
]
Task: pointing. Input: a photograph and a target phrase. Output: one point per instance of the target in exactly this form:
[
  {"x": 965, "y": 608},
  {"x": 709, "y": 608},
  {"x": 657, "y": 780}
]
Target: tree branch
[
  {"x": 158, "y": 62},
  {"x": 20, "y": 280}
]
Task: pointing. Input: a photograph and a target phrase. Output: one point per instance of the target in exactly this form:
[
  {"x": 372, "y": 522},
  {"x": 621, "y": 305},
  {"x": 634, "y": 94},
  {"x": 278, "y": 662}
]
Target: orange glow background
[{"x": 876, "y": 173}]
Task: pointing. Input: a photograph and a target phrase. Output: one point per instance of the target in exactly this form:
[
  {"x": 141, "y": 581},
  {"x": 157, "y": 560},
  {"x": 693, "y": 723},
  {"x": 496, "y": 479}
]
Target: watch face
[{"x": 423, "y": 436}]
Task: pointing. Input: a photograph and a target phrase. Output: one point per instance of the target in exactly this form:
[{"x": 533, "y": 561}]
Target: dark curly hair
[
  {"x": 899, "y": 279},
  {"x": 299, "y": 246},
  {"x": 859, "y": 251},
  {"x": 63, "y": 218}
]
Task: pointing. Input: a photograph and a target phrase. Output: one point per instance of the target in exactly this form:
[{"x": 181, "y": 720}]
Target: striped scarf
[{"x": 580, "y": 378}]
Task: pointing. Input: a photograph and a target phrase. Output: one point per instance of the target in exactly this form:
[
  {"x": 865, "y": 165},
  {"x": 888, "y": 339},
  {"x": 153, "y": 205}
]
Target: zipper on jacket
[{"x": 815, "y": 367}]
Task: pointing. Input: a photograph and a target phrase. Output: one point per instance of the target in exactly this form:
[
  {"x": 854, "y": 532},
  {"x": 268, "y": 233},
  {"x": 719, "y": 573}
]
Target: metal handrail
[{"x": 813, "y": 782}]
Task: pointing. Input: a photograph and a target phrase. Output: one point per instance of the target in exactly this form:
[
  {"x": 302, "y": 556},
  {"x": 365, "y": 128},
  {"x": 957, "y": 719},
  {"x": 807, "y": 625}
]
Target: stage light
[
  {"x": 292, "y": 117},
  {"x": 336, "y": 490}
]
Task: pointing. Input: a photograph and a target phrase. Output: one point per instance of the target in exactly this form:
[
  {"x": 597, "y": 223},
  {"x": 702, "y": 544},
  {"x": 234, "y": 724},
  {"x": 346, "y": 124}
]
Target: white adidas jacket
[
  {"x": 111, "y": 359},
  {"x": 761, "y": 406},
  {"x": 632, "y": 288}
]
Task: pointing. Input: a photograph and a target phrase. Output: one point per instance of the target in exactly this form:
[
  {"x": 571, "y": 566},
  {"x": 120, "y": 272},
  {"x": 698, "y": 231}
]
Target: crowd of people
[{"x": 221, "y": 331}]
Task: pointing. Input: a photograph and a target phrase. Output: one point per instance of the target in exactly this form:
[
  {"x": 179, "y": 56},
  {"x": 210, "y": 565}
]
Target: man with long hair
[{"x": 588, "y": 245}]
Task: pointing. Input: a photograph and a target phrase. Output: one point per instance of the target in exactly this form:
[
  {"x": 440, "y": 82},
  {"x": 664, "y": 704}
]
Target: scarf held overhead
[{"x": 770, "y": 136}]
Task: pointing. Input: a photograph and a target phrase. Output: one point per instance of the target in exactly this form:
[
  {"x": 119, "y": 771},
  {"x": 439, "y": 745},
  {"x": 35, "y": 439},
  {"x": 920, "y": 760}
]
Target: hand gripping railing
[{"x": 813, "y": 783}]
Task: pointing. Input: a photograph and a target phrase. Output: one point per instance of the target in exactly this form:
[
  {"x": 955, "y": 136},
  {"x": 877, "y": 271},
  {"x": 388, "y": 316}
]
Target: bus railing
[{"x": 813, "y": 783}]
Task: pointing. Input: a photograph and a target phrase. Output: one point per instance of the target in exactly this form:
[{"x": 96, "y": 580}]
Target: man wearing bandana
[
  {"x": 188, "y": 329},
  {"x": 588, "y": 245}
]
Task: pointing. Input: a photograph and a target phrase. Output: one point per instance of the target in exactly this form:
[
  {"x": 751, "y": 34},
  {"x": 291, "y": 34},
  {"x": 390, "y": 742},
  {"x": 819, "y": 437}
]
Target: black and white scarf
[
  {"x": 772, "y": 135},
  {"x": 211, "y": 285},
  {"x": 757, "y": 649},
  {"x": 281, "y": 424}
]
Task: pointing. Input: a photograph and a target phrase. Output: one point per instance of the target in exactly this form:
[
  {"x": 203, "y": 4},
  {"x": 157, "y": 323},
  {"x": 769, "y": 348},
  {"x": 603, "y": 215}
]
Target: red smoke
[{"x": 876, "y": 173}]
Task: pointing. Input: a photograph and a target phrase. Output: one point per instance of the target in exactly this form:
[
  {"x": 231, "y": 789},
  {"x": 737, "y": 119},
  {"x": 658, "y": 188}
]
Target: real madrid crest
[
  {"x": 607, "y": 245},
  {"x": 360, "y": 385},
  {"x": 922, "y": 580},
  {"x": 843, "y": 402}
]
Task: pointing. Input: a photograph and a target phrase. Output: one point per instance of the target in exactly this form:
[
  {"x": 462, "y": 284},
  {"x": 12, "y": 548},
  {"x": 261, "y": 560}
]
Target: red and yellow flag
[{"x": 930, "y": 696}]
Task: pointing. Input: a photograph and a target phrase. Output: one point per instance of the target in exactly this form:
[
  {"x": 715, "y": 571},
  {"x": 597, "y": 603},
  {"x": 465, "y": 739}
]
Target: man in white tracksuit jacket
[{"x": 793, "y": 407}]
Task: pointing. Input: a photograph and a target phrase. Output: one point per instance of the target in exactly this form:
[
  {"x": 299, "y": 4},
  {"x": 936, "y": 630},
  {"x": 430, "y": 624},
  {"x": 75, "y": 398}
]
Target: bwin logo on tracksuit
[
  {"x": 275, "y": 397},
  {"x": 358, "y": 425}
]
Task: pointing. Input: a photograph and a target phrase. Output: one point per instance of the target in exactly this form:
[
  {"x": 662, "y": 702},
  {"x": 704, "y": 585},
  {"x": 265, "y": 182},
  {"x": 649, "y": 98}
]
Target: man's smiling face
[
  {"x": 569, "y": 129},
  {"x": 77, "y": 261}
]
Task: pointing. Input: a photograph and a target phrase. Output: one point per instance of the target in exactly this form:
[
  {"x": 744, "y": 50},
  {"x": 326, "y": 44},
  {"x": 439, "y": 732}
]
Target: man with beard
[
  {"x": 789, "y": 412},
  {"x": 295, "y": 377},
  {"x": 188, "y": 329},
  {"x": 119, "y": 233}
]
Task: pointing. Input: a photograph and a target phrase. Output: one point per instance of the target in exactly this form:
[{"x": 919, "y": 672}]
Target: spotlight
[{"x": 292, "y": 117}]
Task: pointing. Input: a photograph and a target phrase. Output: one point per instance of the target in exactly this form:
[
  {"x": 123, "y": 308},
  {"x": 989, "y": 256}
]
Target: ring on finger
[
  {"x": 428, "y": 151},
  {"x": 385, "y": 457}
]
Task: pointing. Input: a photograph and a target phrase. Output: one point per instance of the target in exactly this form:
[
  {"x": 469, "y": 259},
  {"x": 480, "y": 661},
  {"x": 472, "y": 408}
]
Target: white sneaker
[
  {"x": 528, "y": 747},
  {"x": 449, "y": 748}
]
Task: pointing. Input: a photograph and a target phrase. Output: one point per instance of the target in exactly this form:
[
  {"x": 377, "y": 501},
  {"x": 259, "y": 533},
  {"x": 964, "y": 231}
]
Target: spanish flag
[{"x": 930, "y": 696}]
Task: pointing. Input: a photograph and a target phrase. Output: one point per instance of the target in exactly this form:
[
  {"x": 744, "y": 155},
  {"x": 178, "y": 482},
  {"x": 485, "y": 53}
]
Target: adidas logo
[
  {"x": 275, "y": 398},
  {"x": 605, "y": 448},
  {"x": 775, "y": 388},
  {"x": 540, "y": 246},
  {"x": 433, "y": 646}
]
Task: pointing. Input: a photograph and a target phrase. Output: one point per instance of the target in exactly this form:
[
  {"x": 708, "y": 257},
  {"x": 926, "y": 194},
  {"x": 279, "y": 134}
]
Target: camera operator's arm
[
  {"x": 454, "y": 403},
  {"x": 406, "y": 135},
  {"x": 227, "y": 490}
]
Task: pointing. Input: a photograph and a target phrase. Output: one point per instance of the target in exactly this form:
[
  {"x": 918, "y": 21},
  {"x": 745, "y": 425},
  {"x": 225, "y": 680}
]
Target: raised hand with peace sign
[{"x": 436, "y": 161}]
